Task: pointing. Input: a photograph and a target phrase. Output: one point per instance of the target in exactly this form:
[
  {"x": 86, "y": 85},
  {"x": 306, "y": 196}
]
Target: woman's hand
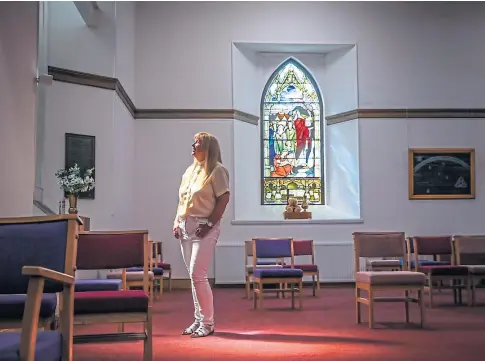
[
  {"x": 202, "y": 230},
  {"x": 176, "y": 232}
]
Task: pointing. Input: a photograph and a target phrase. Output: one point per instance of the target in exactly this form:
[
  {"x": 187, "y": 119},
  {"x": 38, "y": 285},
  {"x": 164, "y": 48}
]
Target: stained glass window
[{"x": 292, "y": 137}]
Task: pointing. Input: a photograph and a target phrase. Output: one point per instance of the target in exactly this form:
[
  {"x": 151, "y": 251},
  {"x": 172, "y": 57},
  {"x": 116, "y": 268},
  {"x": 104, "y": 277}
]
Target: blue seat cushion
[
  {"x": 268, "y": 263},
  {"x": 47, "y": 348},
  {"x": 157, "y": 271},
  {"x": 97, "y": 285},
  {"x": 12, "y": 306},
  {"x": 277, "y": 273},
  {"x": 425, "y": 262}
]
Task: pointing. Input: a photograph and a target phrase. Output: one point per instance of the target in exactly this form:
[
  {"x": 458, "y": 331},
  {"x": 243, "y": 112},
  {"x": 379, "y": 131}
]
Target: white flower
[{"x": 72, "y": 182}]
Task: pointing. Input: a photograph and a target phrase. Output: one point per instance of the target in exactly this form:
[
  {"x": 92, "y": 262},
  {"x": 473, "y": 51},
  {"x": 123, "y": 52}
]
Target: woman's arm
[
  {"x": 183, "y": 184},
  {"x": 220, "y": 185},
  {"x": 220, "y": 208},
  {"x": 216, "y": 215}
]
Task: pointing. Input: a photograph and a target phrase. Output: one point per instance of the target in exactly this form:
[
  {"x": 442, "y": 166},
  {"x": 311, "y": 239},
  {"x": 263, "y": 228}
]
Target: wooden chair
[
  {"x": 275, "y": 248},
  {"x": 307, "y": 248},
  {"x": 160, "y": 262},
  {"x": 444, "y": 275},
  {"x": 248, "y": 266},
  {"x": 37, "y": 257},
  {"x": 134, "y": 275},
  {"x": 414, "y": 265},
  {"x": 469, "y": 251},
  {"x": 115, "y": 250},
  {"x": 384, "y": 244}
]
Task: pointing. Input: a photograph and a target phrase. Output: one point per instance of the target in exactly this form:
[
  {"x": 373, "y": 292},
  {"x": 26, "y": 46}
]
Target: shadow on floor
[{"x": 275, "y": 337}]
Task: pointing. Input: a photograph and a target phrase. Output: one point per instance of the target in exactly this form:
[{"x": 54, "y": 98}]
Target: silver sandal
[
  {"x": 203, "y": 331},
  {"x": 191, "y": 329}
]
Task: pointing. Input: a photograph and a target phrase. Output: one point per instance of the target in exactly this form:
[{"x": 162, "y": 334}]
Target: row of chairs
[
  {"x": 401, "y": 267},
  {"x": 38, "y": 259}
]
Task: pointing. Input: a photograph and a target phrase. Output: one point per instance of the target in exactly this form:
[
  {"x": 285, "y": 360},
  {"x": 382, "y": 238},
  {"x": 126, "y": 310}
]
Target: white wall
[
  {"x": 124, "y": 174},
  {"x": 81, "y": 110},
  {"x": 18, "y": 57},
  {"x": 163, "y": 152},
  {"x": 106, "y": 50},
  {"x": 403, "y": 62},
  {"x": 343, "y": 169},
  {"x": 125, "y": 46},
  {"x": 334, "y": 69},
  {"x": 72, "y": 45},
  {"x": 183, "y": 61},
  {"x": 341, "y": 90},
  {"x": 100, "y": 113}
]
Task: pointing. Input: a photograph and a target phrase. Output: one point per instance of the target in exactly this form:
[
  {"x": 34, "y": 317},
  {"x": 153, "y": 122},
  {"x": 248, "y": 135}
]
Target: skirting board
[
  {"x": 335, "y": 261},
  {"x": 184, "y": 284}
]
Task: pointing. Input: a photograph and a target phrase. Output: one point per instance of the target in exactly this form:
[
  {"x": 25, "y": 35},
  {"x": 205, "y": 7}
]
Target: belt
[{"x": 201, "y": 220}]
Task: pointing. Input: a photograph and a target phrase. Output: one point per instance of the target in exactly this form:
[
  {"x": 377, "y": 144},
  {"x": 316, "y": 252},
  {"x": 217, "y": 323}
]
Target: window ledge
[{"x": 293, "y": 222}]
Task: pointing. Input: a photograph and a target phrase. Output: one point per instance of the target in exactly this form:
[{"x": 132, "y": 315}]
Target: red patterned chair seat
[
  {"x": 304, "y": 267},
  {"x": 110, "y": 302}
]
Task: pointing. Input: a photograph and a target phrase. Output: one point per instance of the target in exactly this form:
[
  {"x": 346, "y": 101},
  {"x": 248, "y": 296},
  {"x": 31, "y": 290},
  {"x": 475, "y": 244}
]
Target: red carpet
[{"x": 324, "y": 330}]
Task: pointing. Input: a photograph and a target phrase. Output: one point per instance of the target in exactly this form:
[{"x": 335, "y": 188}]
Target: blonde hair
[{"x": 212, "y": 151}]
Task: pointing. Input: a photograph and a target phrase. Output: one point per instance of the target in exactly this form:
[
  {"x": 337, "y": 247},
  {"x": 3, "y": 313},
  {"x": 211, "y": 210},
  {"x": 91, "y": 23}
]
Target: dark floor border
[{"x": 109, "y": 83}]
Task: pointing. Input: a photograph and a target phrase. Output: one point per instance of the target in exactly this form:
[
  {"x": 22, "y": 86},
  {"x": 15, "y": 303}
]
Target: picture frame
[
  {"x": 81, "y": 149},
  {"x": 441, "y": 173}
]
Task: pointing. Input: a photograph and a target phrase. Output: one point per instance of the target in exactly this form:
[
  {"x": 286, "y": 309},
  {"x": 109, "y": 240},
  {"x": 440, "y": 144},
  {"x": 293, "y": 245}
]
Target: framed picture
[
  {"x": 81, "y": 149},
  {"x": 437, "y": 173}
]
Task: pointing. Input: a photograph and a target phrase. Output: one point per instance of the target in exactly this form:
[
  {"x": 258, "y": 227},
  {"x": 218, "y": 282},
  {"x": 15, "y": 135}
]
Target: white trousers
[{"x": 197, "y": 254}]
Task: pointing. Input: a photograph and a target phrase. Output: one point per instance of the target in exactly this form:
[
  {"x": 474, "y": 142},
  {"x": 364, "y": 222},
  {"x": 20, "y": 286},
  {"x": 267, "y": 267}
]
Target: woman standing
[{"x": 203, "y": 197}]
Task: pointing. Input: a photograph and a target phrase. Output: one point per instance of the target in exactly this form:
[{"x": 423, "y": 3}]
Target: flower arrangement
[{"x": 72, "y": 182}]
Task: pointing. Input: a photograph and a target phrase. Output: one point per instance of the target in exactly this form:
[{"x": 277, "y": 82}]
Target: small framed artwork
[
  {"x": 441, "y": 173},
  {"x": 81, "y": 149}
]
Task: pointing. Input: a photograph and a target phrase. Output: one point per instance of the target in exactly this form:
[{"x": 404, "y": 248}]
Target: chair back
[
  {"x": 113, "y": 250},
  {"x": 409, "y": 245},
  {"x": 248, "y": 245},
  {"x": 469, "y": 249},
  {"x": 248, "y": 252},
  {"x": 431, "y": 245},
  {"x": 46, "y": 241},
  {"x": 303, "y": 247},
  {"x": 272, "y": 248},
  {"x": 157, "y": 251},
  {"x": 379, "y": 244}
]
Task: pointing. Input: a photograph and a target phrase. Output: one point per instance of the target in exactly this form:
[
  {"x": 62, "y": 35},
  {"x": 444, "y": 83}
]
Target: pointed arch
[{"x": 292, "y": 136}]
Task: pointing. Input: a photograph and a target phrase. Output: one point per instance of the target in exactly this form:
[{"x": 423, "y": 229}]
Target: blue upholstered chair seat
[
  {"x": 157, "y": 271},
  {"x": 425, "y": 262},
  {"x": 268, "y": 263},
  {"x": 97, "y": 285},
  {"x": 47, "y": 348},
  {"x": 277, "y": 273},
  {"x": 12, "y": 306}
]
